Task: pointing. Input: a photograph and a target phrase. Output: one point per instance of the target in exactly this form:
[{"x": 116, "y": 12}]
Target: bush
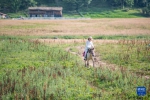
[
  {"x": 17, "y": 15},
  {"x": 126, "y": 9},
  {"x": 146, "y": 11}
]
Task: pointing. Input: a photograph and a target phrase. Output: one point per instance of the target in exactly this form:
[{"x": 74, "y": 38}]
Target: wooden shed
[{"x": 45, "y": 11}]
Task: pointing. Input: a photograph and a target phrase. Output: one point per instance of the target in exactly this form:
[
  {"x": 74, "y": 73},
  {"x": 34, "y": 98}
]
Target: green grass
[
  {"x": 22, "y": 53},
  {"x": 33, "y": 70},
  {"x": 109, "y": 37},
  {"x": 133, "y": 54},
  {"x": 18, "y": 14},
  {"x": 50, "y": 82},
  {"x": 108, "y": 13},
  {"x": 120, "y": 37}
]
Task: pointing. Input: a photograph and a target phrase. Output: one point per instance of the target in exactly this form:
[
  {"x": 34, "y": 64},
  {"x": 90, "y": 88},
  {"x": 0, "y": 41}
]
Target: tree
[
  {"x": 77, "y": 4},
  {"x": 146, "y": 2},
  {"x": 122, "y": 3},
  {"x": 16, "y": 5},
  {"x": 129, "y": 3},
  {"x": 27, "y": 3},
  {"x": 146, "y": 9}
]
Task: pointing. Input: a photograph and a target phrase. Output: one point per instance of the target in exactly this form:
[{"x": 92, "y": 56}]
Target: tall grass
[
  {"x": 53, "y": 82},
  {"x": 133, "y": 54},
  {"x": 119, "y": 84},
  {"x": 95, "y": 37},
  {"x": 22, "y": 53},
  {"x": 32, "y": 70}
]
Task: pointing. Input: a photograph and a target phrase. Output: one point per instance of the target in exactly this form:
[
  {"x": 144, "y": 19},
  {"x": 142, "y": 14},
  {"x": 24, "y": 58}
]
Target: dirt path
[
  {"x": 80, "y": 49},
  {"x": 97, "y": 59}
]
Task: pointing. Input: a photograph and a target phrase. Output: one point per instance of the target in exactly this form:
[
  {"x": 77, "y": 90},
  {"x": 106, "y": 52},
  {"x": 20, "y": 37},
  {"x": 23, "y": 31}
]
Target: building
[
  {"x": 45, "y": 11},
  {"x": 3, "y": 16}
]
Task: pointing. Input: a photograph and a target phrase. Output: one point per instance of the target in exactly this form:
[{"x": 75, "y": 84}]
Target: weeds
[
  {"x": 34, "y": 70},
  {"x": 133, "y": 54}
]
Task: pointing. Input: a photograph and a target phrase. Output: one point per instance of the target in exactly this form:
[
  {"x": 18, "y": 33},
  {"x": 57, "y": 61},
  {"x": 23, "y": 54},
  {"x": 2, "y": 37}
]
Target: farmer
[{"x": 89, "y": 44}]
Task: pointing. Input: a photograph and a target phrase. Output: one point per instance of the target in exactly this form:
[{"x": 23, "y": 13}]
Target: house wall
[{"x": 40, "y": 13}]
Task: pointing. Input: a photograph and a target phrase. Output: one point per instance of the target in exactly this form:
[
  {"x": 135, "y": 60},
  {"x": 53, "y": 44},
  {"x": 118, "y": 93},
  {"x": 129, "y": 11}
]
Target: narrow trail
[
  {"x": 80, "y": 49},
  {"x": 98, "y": 62},
  {"x": 97, "y": 59}
]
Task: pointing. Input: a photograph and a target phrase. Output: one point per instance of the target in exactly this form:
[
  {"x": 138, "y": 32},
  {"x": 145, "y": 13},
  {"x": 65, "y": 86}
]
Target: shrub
[
  {"x": 126, "y": 9},
  {"x": 146, "y": 11}
]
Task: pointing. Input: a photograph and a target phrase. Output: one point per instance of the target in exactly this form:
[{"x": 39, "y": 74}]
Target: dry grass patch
[{"x": 108, "y": 26}]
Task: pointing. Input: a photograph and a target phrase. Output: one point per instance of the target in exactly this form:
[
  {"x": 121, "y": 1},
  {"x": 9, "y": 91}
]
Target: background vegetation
[{"x": 86, "y": 8}]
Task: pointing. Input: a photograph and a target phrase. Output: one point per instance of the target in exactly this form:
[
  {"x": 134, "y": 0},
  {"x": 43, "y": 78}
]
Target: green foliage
[
  {"x": 16, "y": 5},
  {"x": 122, "y": 3},
  {"x": 111, "y": 13},
  {"x": 22, "y": 53},
  {"x": 110, "y": 37},
  {"x": 146, "y": 11},
  {"x": 44, "y": 83},
  {"x": 75, "y": 5},
  {"x": 117, "y": 37},
  {"x": 33, "y": 70},
  {"x": 120, "y": 84},
  {"x": 17, "y": 15},
  {"x": 8, "y": 6},
  {"x": 132, "y": 54}
]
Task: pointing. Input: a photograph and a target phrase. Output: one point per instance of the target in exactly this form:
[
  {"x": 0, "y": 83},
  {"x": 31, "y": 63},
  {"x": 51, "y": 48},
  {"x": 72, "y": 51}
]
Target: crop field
[{"x": 42, "y": 59}]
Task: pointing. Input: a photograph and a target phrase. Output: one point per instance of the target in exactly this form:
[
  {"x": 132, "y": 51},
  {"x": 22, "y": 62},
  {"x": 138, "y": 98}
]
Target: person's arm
[
  {"x": 86, "y": 45},
  {"x": 92, "y": 44}
]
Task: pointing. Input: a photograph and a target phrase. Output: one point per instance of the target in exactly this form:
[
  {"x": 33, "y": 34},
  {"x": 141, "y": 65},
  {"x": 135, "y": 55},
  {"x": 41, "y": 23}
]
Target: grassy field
[
  {"x": 107, "y": 13},
  {"x": 133, "y": 55},
  {"x": 33, "y": 66},
  {"x": 94, "y": 27}
]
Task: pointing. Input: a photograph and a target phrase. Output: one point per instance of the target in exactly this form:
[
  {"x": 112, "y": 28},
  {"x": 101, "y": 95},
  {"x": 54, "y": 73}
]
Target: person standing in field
[{"x": 89, "y": 44}]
